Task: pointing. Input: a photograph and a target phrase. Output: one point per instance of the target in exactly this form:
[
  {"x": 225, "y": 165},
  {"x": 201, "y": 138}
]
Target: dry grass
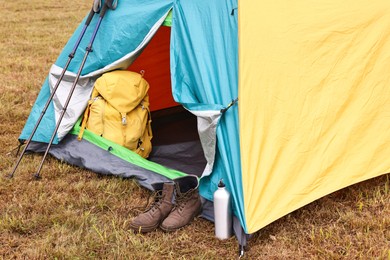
[{"x": 75, "y": 214}]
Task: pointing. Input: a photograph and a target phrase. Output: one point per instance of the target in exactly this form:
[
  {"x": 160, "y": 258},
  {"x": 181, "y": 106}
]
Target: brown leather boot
[
  {"x": 157, "y": 212},
  {"x": 187, "y": 204}
]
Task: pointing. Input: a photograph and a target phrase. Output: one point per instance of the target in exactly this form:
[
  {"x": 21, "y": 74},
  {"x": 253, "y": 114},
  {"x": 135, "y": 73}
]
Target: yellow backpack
[{"x": 119, "y": 111}]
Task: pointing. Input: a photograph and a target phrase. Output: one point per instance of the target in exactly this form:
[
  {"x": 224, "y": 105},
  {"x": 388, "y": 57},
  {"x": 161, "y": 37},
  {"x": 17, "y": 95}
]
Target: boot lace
[
  {"x": 182, "y": 200},
  {"x": 157, "y": 200}
]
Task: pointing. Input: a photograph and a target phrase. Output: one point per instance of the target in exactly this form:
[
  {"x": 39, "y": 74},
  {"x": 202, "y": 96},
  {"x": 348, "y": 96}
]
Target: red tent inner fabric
[{"x": 154, "y": 60}]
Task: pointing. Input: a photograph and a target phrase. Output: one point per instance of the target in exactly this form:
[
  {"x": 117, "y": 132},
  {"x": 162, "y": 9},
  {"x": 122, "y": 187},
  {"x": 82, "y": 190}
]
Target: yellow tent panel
[{"x": 314, "y": 90}]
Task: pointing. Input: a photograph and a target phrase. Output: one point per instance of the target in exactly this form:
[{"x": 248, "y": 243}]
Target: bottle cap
[{"x": 221, "y": 184}]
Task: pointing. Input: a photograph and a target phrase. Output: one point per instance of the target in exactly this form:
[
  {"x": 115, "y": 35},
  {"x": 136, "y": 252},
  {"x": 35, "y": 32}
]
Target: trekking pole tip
[{"x": 37, "y": 176}]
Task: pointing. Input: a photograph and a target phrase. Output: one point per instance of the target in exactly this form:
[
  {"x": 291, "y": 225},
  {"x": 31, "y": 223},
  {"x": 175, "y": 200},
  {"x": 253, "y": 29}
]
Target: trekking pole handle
[
  {"x": 111, "y": 4},
  {"x": 90, "y": 16},
  {"x": 103, "y": 11},
  {"x": 108, "y": 4},
  {"x": 87, "y": 22}
]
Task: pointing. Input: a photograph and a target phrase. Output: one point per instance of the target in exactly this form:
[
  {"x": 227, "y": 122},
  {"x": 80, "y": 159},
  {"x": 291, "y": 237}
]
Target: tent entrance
[
  {"x": 176, "y": 146},
  {"x": 175, "y": 140}
]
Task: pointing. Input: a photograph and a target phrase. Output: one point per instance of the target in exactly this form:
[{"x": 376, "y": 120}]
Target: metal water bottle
[{"x": 222, "y": 212}]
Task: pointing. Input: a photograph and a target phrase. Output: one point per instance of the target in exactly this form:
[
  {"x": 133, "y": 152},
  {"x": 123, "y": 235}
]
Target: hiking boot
[
  {"x": 187, "y": 204},
  {"x": 157, "y": 212}
]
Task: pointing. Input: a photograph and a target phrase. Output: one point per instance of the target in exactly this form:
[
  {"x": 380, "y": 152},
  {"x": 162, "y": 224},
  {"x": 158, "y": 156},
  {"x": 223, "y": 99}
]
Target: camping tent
[{"x": 313, "y": 114}]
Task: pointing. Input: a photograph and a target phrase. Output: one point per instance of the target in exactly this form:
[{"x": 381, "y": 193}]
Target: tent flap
[{"x": 204, "y": 69}]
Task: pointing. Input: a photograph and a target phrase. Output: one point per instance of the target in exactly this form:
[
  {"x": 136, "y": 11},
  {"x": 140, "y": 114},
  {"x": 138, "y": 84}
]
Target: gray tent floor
[{"x": 176, "y": 145}]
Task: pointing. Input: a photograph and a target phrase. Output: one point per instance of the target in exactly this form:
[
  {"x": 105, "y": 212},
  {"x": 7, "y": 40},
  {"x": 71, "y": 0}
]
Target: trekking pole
[
  {"x": 107, "y": 5},
  {"x": 71, "y": 55}
]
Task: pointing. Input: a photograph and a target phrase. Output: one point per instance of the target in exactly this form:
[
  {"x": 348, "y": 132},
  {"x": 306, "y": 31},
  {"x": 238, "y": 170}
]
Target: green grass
[{"x": 73, "y": 213}]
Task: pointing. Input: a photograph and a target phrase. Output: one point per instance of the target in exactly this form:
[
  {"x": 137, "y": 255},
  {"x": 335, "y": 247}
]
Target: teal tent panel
[
  {"x": 47, "y": 125},
  {"x": 204, "y": 69},
  {"x": 122, "y": 30}
]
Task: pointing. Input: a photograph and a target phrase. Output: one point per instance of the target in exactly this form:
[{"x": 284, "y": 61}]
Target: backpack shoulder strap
[{"x": 94, "y": 95}]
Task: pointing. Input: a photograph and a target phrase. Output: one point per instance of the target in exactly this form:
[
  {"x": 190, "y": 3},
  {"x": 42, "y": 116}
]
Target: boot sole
[
  {"x": 141, "y": 229},
  {"x": 168, "y": 229}
]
